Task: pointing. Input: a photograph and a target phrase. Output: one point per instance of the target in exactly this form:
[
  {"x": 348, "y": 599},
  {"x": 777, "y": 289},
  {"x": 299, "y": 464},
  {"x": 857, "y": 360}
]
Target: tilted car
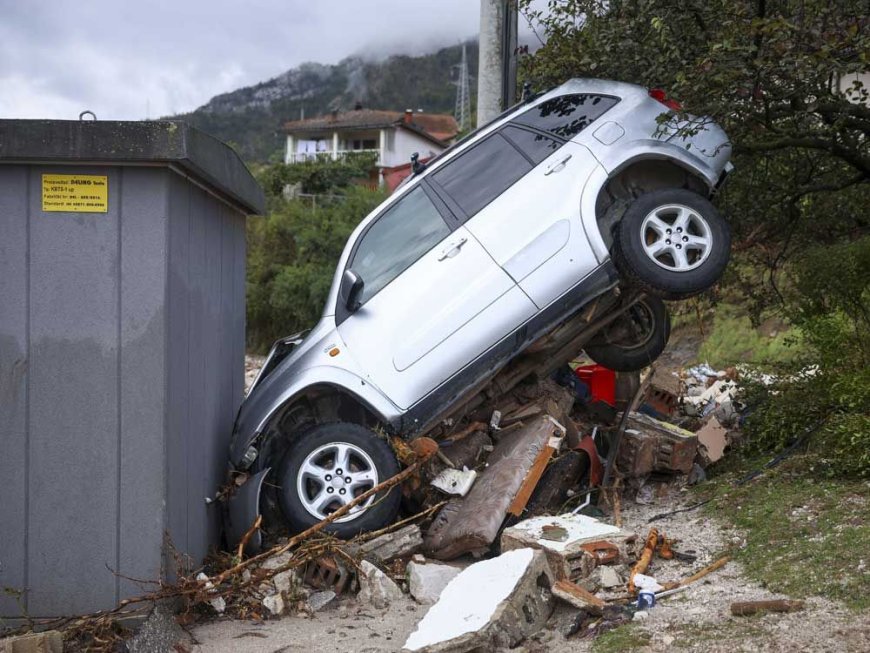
[{"x": 558, "y": 226}]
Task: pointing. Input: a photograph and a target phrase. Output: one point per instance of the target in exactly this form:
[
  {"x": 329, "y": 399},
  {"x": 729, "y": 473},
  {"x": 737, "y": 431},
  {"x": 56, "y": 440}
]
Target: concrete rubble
[
  {"x": 493, "y": 603},
  {"x": 427, "y": 581},
  {"x": 376, "y": 588}
]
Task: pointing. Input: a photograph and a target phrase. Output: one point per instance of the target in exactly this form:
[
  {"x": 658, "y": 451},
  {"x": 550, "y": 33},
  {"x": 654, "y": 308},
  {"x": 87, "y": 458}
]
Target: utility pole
[
  {"x": 462, "y": 113},
  {"x": 497, "y": 70}
]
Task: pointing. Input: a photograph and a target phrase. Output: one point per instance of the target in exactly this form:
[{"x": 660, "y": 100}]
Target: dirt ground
[{"x": 698, "y": 619}]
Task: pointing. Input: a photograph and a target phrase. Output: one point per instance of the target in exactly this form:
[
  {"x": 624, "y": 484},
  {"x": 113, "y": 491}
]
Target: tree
[{"x": 781, "y": 76}]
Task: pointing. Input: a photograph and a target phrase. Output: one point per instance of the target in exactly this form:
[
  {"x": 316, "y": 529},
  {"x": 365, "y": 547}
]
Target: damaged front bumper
[{"x": 242, "y": 510}]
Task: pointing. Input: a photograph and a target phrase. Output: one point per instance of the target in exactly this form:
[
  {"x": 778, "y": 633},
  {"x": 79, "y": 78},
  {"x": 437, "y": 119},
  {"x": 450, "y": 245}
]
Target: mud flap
[{"x": 242, "y": 510}]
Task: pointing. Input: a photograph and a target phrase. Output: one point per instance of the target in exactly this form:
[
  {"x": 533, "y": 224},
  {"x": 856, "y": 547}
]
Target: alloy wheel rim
[
  {"x": 332, "y": 476},
  {"x": 676, "y": 237}
]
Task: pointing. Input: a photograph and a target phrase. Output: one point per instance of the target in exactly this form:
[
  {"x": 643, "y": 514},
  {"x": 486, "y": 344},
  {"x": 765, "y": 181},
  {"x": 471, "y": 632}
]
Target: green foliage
[
  {"x": 734, "y": 339},
  {"x": 830, "y": 382},
  {"x": 765, "y": 71},
  {"x": 627, "y": 637},
  {"x": 801, "y": 533},
  {"x": 320, "y": 175},
  {"x": 292, "y": 254}
]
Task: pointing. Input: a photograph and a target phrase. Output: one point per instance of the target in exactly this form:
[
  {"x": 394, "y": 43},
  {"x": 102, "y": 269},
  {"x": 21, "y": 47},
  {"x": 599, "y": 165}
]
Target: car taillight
[{"x": 660, "y": 96}]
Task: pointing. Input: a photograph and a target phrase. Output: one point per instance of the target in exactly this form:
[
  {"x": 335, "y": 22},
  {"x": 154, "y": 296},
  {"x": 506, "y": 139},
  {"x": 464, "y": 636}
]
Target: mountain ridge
[{"x": 250, "y": 118}]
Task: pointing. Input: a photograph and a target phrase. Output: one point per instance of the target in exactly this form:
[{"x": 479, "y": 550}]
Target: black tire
[
  {"x": 380, "y": 511},
  {"x": 660, "y": 274},
  {"x": 635, "y": 339}
]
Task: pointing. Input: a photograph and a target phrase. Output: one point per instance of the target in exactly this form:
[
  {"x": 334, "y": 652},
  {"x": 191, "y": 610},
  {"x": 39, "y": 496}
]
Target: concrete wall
[{"x": 121, "y": 367}]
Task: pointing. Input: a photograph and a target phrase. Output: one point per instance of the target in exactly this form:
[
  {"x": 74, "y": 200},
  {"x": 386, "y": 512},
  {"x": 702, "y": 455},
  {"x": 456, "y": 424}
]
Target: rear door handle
[
  {"x": 557, "y": 166},
  {"x": 453, "y": 249}
]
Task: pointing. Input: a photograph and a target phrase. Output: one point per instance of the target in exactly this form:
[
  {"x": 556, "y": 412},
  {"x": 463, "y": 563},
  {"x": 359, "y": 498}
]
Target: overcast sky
[{"x": 150, "y": 58}]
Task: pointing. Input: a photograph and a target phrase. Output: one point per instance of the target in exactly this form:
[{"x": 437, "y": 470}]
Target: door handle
[
  {"x": 453, "y": 249},
  {"x": 557, "y": 166}
]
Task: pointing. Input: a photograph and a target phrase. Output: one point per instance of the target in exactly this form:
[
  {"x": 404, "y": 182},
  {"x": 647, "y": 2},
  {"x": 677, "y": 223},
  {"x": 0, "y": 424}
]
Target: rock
[
  {"x": 607, "y": 577},
  {"x": 218, "y": 604},
  {"x": 376, "y": 587},
  {"x": 319, "y": 600},
  {"x": 426, "y": 582},
  {"x": 386, "y": 548},
  {"x": 274, "y": 603},
  {"x": 490, "y": 604},
  {"x": 287, "y": 581},
  {"x": 640, "y": 615},
  {"x": 277, "y": 560},
  {"x": 667, "y": 640},
  {"x": 50, "y": 641},
  {"x": 159, "y": 632}
]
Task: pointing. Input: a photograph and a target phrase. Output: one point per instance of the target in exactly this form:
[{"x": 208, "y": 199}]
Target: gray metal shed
[{"x": 122, "y": 331}]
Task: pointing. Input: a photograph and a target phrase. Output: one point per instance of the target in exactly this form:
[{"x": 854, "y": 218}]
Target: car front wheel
[
  {"x": 327, "y": 467},
  {"x": 672, "y": 243}
]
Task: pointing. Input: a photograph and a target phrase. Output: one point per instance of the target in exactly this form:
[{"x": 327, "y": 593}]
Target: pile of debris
[{"x": 536, "y": 477}]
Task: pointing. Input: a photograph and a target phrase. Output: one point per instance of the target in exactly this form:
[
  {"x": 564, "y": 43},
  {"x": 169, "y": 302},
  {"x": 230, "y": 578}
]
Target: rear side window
[
  {"x": 534, "y": 144},
  {"x": 395, "y": 241},
  {"x": 567, "y": 115},
  {"x": 481, "y": 174}
]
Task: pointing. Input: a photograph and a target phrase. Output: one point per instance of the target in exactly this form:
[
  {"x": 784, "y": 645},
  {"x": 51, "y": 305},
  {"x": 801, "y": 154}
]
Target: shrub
[
  {"x": 830, "y": 382},
  {"x": 292, "y": 254}
]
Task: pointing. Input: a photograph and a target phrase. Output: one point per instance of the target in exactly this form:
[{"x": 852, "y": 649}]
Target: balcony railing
[{"x": 301, "y": 157}]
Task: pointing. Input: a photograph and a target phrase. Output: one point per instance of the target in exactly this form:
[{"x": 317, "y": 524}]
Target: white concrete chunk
[
  {"x": 426, "y": 582},
  {"x": 490, "y": 604}
]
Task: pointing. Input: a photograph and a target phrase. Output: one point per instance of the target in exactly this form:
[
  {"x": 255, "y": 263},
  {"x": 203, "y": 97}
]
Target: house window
[
  {"x": 396, "y": 240},
  {"x": 364, "y": 144},
  {"x": 479, "y": 175},
  {"x": 567, "y": 115}
]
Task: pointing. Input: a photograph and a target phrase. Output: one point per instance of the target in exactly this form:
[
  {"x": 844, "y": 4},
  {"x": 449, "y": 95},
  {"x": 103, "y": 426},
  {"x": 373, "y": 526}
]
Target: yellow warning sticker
[{"x": 75, "y": 193}]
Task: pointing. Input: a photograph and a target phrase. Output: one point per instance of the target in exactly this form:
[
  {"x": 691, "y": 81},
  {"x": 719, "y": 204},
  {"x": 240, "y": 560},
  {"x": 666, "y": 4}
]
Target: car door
[
  {"x": 533, "y": 228},
  {"x": 432, "y": 301}
]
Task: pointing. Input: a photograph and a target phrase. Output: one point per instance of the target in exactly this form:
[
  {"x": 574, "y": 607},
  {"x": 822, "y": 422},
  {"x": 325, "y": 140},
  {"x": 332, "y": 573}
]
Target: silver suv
[{"x": 558, "y": 226}]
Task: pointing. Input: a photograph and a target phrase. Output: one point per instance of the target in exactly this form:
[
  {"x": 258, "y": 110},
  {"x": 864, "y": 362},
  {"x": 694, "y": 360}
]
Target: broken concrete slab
[
  {"x": 427, "y": 581},
  {"x": 389, "y": 546},
  {"x": 493, "y": 603},
  {"x": 607, "y": 578},
  {"x": 565, "y": 540},
  {"x": 472, "y": 525},
  {"x": 376, "y": 587}
]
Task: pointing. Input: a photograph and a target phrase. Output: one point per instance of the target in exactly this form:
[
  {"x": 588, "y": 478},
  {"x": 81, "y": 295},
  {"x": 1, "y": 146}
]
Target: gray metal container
[{"x": 122, "y": 331}]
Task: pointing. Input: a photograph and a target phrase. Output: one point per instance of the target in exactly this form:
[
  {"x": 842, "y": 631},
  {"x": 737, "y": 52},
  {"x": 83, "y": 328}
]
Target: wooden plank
[{"x": 578, "y": 596}]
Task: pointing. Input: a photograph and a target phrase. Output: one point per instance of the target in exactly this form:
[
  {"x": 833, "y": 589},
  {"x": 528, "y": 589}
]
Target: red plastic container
[{"x": 601, "y": 382}]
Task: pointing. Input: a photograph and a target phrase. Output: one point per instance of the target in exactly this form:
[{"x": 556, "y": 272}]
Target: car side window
[
  {"x": 396, "y": 240},
  {"x": 567, "y": 115},
  {"x": 479, "y": 175},
  {"x": 533, "y": 144}
]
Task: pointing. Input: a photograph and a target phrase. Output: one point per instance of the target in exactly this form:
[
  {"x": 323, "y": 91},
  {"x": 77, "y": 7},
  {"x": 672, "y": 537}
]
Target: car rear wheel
[
  {"x": 672, "y": 243},
  {"x": 327, "y": 467},
  {"x": 635, "y": 339}
]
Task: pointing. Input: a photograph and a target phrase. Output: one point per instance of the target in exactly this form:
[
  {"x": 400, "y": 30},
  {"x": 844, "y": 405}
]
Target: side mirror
[{"x": 350, "y": 289}]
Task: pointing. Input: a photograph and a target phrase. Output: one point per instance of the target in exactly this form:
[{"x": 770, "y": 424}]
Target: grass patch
[
  {"x": 627, "y": 637},
  {"x": 805, "y": 535},
  {"x": 740, "y": 632},
  {"x": 732, "y": 339}
]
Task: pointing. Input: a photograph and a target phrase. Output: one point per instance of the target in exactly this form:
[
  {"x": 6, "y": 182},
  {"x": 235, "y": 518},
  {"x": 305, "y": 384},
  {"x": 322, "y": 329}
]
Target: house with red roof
[{"x": 393, "y": 135}]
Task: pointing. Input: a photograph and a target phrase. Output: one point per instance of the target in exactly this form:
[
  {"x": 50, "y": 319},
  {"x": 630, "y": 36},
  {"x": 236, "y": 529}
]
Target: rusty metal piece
[
  {"x": 666, "y": 551},
  {"x": 327, "y": 573},
  {"x": 645, "y": 558},
  {"x": 603, "y": 551}
]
